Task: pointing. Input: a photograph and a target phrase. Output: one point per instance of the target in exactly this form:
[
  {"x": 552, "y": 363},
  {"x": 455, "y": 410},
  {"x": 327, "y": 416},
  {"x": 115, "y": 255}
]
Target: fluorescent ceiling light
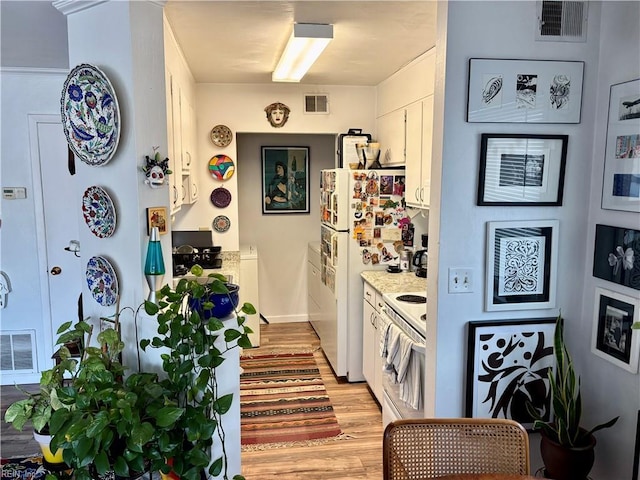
[{"x": 307, "y": 42}]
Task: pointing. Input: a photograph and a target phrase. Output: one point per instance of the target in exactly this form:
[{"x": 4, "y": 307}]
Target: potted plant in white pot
[{"x": 566, "y": 447}]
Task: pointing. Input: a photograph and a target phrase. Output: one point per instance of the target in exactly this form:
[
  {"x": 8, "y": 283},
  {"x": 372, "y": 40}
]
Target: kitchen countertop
[
  {"x": 230, "y": 267},
  {"x": 385, "y": 282}
]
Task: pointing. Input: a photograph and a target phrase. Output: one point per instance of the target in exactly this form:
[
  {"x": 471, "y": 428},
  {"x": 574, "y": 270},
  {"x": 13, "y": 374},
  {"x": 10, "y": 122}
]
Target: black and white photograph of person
[
  {"x": 629, "y": 107},
  {"x": 526, "y": 90},
  {"x": 559, "y": 92},
  {"x": 521, "y": 170},
  {"x": 492, "y": 90},
  {"x": 615, "y": 335}
]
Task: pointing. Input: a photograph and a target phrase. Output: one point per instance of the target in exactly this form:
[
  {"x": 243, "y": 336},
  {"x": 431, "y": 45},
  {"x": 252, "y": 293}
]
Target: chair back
[{"x": 421, "y": 449}]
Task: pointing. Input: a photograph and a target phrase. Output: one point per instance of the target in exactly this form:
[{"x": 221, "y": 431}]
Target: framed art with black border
[
  {"x": 285, "y": 180},
  {"x": 508, "y": 365},
  {"x": 616, "y": 255},
  {"x": 522, "y": 169},
  {"x": 522, "y": 258},
  {"x": 157, "y": 217},
  {"x": 524, "y": 91},
  {"x": 613, "y": 338},
  {"x": 621, "y": 182}
]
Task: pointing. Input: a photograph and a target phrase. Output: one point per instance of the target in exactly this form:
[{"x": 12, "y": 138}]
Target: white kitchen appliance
[{"x": 363, "y": 218}]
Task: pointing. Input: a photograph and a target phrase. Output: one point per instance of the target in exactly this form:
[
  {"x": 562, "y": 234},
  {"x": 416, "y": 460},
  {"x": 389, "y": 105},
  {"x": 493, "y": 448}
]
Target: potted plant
[
  {"x": 197, "y": 335},
  {"x": 567, "y": 449}
]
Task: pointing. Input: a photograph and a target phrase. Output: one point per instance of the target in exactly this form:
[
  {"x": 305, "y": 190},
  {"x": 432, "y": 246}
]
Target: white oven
[{"x": 406, "y": 312}]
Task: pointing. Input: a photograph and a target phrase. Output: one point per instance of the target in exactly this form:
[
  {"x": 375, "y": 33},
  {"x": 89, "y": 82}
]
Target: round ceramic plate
[
  {"x": 221, "y": 167},
  {"x": 221, "y": 197},
  {"x": 98, "y": 212},
  {"x": 90, "y": 115},
  {"x": 102, "y": 281},
  {"x": 221, "y": 223},
  {"x": 221, "y": 135}
]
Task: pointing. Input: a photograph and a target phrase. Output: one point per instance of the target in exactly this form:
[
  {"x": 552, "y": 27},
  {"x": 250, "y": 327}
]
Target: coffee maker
[{"x": 420, "y": 258}]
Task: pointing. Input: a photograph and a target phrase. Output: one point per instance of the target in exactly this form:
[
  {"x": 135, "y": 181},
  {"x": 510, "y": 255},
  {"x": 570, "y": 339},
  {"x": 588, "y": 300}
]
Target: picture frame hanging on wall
[
  {"x": 522, "y": 260},
  {"x": 621, "y": 181},
  {"x": 524, "y": 91},
  {"x": 508, "y": 363},
  {"x": 521, "y": 169},
  {"x": 613, "y": 338},
  {"x": 616, "y": 255},
  {"x": 285, "y": 180}
]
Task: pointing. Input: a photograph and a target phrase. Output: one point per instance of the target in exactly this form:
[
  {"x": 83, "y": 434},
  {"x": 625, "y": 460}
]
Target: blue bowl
[{"x": 223, "y": 303}]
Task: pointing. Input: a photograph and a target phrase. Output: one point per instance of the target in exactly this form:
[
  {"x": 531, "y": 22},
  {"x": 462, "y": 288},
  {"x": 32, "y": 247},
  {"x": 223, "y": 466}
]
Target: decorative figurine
[
  {"x": 156, "y": 169},
  {"x": 277, "y": 114}
]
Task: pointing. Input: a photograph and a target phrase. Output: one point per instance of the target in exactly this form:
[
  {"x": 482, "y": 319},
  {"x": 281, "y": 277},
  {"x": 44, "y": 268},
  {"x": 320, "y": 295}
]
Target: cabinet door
[
  {"x": 173, "y": 117},
  {"x": 427, "y": 146},
  {"x": 413, "y": 181},
  {"x": 391, "y": 136},
  {"x": 378, "y": 362},
  {"x": 368, "y": 340}
]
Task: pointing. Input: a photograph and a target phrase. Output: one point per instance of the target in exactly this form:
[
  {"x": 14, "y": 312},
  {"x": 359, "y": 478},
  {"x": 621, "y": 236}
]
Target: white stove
[{"x": 410, "y": 307}]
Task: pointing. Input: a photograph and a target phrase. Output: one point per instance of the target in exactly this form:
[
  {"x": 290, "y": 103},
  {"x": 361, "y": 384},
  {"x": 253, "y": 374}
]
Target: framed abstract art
[{"x": 616, "y": 256}]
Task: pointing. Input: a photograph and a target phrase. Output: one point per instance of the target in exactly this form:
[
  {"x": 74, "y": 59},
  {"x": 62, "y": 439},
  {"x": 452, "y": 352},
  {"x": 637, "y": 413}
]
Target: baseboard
[{"x": 286, "y": 318}]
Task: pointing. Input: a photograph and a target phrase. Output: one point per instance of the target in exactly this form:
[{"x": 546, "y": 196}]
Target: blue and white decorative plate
[
  {"x": 102, "y": 281},
  {"x": 98, "y": 212},
  {"x": 90, "y": 115}
]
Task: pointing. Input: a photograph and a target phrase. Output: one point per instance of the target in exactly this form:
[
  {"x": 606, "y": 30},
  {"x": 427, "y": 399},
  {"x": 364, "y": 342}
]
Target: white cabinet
[
  {"x": 419, "y": 140},
  {"x": 372, "y": 363},
  {"x": 174, "y": 140},
  {"x": 248, "y": 283},
  {"x": 391, "y": 136}
]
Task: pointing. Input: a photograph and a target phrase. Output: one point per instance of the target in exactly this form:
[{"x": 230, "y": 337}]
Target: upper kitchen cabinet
[{"x": 419, "y": 140}]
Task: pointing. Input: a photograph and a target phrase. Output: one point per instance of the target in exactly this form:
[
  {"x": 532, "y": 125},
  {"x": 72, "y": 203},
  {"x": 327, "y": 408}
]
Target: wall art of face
[
  {"x": 277, "y": 114},
  {"x": 155, "y": 178}
]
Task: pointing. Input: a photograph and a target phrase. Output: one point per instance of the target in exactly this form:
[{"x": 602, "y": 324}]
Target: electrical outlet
[{"x": 460, "y": 280}]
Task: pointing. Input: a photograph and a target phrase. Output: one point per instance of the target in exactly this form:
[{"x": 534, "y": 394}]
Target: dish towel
[
  {"x": 384, "y": 337},
  {"x": 401, "y": 362},
  {"x": 393, "y": 349},
  {"x": 411, "y": 387}
]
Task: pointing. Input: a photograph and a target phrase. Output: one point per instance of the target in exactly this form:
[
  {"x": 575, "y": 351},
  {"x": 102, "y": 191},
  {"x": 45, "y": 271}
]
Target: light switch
[{"x": 14, "y": 193}]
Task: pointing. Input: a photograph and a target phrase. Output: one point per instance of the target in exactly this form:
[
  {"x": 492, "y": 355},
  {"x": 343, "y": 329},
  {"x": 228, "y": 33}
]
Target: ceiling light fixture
[{"x": 305, "y": 45}]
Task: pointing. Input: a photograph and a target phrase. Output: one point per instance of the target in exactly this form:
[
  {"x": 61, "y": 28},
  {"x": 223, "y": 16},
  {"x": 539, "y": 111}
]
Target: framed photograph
[
  {"x": 524, "y": 91},
  {"x": 157, "y": 217},
  {"x": 508, "y": 364},
  {"x": 621, "y": 184},
  {"x": 521, "y": 169},
  {"x": 285, "y": 180},
  {"x": 616, "y": 255},
  {"x": 522, "y": 259},
  {"x": 613, "y": 338}
]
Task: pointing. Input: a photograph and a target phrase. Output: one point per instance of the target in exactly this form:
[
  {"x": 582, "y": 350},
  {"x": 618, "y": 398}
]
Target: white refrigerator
[{"x": 364, "y": 225}]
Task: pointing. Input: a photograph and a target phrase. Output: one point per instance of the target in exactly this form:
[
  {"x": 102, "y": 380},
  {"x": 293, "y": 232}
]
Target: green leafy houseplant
[{"x": 195, "y": 345}]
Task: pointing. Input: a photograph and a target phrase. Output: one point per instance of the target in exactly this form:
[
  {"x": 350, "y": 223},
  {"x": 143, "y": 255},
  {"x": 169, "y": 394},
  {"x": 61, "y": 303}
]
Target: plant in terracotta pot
[{"x": 567, "y": 448}]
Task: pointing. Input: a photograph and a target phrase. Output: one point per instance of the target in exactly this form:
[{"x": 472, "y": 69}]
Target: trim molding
[
  {"x": 67, "y": 7},
  {"x": 34, "y": 71}
]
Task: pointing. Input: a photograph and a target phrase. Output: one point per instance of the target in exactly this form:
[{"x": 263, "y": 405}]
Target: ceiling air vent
[
  {"x": 17, "y": 351},
  {"x": 316, "y": 103},
  {"x": 560, "y": 21}
]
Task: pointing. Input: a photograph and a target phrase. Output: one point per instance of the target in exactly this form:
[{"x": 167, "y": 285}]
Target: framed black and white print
[
  {"x": 285, "y": 180},
  {"x": 616, "y": 255},
  {"x": 613, "y": 338},
  {"x": 521, "y": 169},
  {"x": 621, "y": 182},
  {"x": 508, "y": 364},
  {"x": 522, "y": 259},
  {"x": 524, "y": 91}
]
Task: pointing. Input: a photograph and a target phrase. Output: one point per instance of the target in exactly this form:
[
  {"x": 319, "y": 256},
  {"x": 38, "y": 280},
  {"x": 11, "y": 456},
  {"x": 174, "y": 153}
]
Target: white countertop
[{"x": 385, "y": 282}]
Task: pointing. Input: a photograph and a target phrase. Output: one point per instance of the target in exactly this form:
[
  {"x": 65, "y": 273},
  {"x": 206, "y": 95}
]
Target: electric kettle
[{"x": 420, "y": 259}]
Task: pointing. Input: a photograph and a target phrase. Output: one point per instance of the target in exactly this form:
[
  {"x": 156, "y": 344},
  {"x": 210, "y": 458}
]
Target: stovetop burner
[{"x": 412, "y": 298}]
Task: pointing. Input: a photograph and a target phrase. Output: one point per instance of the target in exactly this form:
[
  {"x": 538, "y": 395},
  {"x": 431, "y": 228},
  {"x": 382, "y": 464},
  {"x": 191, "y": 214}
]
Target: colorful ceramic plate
[
  {"x": 221, "y": 223},
  {"x": 221, "y": 197},
  {"x": 221, "y": 167},
  {"x": 102, "y": 281},
  {"x": 221, "y": 135},
  {"x": 90, "y": 115},
  {"x": 98, "y": 212}
]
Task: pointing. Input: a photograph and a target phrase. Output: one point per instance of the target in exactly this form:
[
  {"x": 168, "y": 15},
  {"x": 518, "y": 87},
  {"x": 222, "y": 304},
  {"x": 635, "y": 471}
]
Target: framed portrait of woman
[{"x": 285, "y": 180}]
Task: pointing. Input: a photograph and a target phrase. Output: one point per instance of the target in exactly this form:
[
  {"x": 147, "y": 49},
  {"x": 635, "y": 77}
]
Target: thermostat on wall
[{"x": 13, "y": 193}]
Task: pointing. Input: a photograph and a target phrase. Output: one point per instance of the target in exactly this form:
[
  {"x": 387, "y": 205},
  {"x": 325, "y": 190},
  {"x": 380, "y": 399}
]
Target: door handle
[{"x": 56, "y": 271}]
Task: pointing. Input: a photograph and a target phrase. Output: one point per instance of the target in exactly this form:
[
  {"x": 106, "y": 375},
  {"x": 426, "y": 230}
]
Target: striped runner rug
[{"x": 283, "y": 402}]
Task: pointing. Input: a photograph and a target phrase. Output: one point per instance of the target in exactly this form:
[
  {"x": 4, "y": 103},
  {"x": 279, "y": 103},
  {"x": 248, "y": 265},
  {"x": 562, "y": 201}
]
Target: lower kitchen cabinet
[{"x": 372, "y": 363}]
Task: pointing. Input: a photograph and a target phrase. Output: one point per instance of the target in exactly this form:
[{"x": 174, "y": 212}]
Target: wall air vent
[
  {"x": 562, "y": 21},
  {"x": 17, "y": 351},
  {"x": 317, "y": 103}
]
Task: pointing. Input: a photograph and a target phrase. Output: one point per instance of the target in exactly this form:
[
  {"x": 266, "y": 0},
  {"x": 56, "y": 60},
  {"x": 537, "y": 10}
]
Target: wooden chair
[{"x": 428, "y": 448}]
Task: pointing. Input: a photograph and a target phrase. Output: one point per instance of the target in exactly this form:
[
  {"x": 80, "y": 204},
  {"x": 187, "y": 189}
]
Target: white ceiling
[{"x": 240, "y": 41}]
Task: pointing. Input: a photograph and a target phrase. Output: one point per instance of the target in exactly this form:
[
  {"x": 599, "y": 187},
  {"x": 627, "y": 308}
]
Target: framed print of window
[{"x": 522, "y": 259}]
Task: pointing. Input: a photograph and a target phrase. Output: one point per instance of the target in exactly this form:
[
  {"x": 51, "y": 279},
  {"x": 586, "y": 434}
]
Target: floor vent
[
  {"x": 17, "y": 351},
  {"x": 562, "y": 21},
  {"x": 316, "y": 103}
]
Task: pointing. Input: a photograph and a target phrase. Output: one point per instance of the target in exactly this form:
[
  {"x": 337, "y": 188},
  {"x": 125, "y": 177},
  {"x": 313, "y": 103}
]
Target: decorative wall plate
[
  {"x": 221, "y": 167},
  {"x": 221, "y": 135},
  {"x": 90, "y": 115},
  {"x": 221, "y": 197},
  {"x": 98, "y": 212},
  {"x": 221, "y": 223},
  {"x": 102, "y": 281}
]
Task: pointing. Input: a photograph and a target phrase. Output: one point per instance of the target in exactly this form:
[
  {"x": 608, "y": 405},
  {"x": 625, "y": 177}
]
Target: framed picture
[
  {"x": 157, "y": 217},
  {"x": 508, "y": 364},
  {"x": 524, "y": 91},
  {"x": 616, "y": 255},
  {"x": 522, "y": 259},
  {"x": 613, "y": 338},
  {"x": 621, "y": 185},
  {"x": 522, "y": 169},
  {"x": 285, "y": 180}
]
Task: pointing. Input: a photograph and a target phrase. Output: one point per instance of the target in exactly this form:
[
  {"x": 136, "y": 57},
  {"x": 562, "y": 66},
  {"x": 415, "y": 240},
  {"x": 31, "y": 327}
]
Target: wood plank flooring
[{"x": 357, "y": 457}]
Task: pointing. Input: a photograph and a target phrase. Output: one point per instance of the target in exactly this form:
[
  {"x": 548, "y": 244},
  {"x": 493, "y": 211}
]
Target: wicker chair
[{"x": 433, "y": 447}]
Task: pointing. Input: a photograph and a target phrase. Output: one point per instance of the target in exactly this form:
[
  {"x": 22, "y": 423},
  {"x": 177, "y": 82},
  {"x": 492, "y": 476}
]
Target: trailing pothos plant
[{"x": 193, "y": 351}]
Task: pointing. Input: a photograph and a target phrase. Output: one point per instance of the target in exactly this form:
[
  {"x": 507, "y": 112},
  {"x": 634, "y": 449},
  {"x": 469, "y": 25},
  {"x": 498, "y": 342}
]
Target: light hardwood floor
[{"x": 357, "y": 457}]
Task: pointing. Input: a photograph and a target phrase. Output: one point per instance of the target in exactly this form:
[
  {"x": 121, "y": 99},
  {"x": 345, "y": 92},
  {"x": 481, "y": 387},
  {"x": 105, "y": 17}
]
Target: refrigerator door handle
[{"x": 334, "y": 250}]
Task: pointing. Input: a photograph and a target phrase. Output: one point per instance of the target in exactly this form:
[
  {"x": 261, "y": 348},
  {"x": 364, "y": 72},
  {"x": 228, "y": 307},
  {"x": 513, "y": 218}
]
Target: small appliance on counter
[
  {"x": 194, "y": 248},
  {"x": 421, "y": 257}
]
